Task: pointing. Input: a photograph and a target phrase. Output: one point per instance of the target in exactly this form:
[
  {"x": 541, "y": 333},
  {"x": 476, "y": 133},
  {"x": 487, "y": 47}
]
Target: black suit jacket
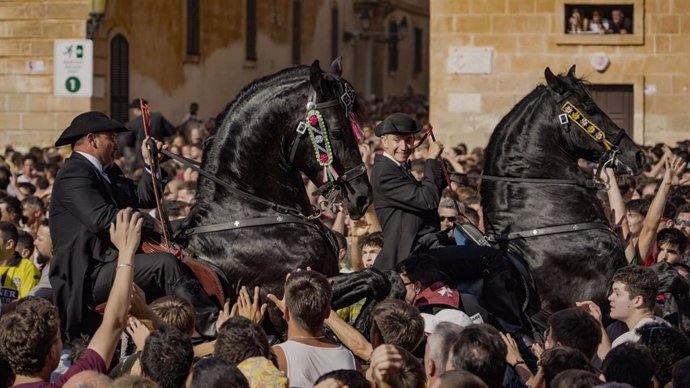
[
  {"x": 406, "y": 208},
  {"x": 82, "y": 207}
]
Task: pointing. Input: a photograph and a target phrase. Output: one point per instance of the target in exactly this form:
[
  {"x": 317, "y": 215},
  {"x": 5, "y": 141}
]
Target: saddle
[
  {"x": 516, "y": 271},
  {"x": 211, "y": 278}
]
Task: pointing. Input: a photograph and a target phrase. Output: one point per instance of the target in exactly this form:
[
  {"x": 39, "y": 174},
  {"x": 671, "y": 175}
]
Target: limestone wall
[
  {"x": 159, "y": 67},
  {"x": 526, "y": 36},
  {"x": 29, "y": 113}
]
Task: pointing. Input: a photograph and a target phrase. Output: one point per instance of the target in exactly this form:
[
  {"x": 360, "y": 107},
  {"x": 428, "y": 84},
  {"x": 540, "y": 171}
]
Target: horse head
[
  {"x": 587, "y": 131},
  {"x": 328, "y": 136}
]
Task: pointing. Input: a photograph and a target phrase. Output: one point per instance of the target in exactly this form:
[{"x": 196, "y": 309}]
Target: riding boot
[{"x": 206, "y": 311}]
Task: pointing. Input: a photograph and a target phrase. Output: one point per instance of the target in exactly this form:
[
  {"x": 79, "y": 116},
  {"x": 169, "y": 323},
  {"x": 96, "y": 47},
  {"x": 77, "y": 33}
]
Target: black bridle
[
  {"x": 284, "y": 214},
  {"x": 571, "y": 114}
]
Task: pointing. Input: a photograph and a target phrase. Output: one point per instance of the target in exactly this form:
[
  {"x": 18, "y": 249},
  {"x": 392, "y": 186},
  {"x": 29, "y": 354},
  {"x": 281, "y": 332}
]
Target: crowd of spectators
[{"x": 409, "y": 345}]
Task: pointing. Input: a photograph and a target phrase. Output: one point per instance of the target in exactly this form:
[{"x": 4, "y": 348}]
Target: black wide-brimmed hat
[
  {"x": 85, "y": 123},
  {"x": 135, "y": 102},
  {"x": 397, "y": 123}
]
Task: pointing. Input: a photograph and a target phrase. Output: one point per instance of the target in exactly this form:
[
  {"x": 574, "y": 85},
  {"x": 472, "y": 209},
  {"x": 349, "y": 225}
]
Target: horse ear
[
  {"x": 553, "y": 81},
  {"x": 337, "y": 66},
  {"x": 315, "y": 77},
  {"x": 571, "y": 72}
]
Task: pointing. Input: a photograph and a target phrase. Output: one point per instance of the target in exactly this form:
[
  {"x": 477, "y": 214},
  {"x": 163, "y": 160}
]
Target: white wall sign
[
  {"x": 599, "y": 61},
  {"x": 73, "y": 68},
  {"x": 36, "y": 67},
  {"x": 470, "y": 60}
]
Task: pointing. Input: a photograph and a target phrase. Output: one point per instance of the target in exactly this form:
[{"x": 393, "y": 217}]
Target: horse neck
[
  {"x": 527, "y": 143},
  {"x": 248, "y": 151}
]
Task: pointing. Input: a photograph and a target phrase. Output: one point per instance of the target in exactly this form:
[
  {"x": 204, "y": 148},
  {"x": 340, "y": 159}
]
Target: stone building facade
[
  {"x": 174, "y": 52},
  {"x": 511, "y": 42}
]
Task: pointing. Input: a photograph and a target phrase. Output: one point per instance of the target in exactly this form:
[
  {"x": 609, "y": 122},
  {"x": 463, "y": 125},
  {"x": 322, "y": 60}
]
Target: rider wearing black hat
[
  {"x": 406, "y": 208},
  {"x": 89, "y": 191}
]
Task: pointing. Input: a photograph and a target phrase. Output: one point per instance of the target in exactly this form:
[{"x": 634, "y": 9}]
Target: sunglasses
[
  {"x": 450, "y": 219},
  {"x": 678, "y": 221}
]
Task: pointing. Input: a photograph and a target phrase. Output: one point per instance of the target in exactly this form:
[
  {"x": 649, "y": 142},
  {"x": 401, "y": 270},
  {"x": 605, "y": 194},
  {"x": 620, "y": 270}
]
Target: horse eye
[{"x": 337, "y": 135}]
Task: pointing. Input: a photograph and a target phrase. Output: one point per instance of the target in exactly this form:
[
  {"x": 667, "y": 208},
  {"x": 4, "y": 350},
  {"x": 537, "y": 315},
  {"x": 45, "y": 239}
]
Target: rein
[
  {"x": 155, "y": 171},
  {"x": 570, "y": 115},
  {"x": 313, "y": 126},
  {"x": 588, "y": 183},
  {"x": 495, "y": 238},
  {"x": 242, "y": 193}
]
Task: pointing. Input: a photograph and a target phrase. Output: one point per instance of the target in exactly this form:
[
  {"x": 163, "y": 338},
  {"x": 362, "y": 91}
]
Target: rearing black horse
[
  {"x": 540, "y": 204},
  {"x": 254, "y": 219}
]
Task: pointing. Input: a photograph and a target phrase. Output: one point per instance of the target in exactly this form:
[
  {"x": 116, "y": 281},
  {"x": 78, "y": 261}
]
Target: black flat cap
[
  {"x": 135, "y": 103},
  {"x": 397, "y": 123},
  {"x": 85, "y": 123}
]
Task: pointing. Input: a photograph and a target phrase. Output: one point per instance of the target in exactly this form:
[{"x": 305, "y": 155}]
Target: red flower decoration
[
  {"x": 323, "y": 158},
  {"x": 313, "y": 120}
]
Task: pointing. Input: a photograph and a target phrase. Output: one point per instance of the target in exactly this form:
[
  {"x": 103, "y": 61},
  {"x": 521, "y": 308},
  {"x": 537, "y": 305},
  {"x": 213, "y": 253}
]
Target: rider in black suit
[
  {"x": 408, "y": 212},
  {"x": 89, "y": 191},
  {"x": 406, "y": 208}
]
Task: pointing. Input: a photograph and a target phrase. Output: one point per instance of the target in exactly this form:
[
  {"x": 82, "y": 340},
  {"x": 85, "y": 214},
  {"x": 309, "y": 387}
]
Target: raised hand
[
  {"x": 138, "y": 331},
  {"x": 248, "y": 308},
  {"x": 386, "y": 362},
  {"x": 125, "y": 232},
  {"x": 138, "y": 306},
  {"x": 145, "y": 149},
  {"x": 592, "y": 308},
  {"x": 224, "y": 314},
  {"x": 513, "y": 355},
  {"x": 435, "y": 149}
]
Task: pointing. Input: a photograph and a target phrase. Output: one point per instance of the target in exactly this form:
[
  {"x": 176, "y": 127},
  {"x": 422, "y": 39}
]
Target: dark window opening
[
  {"x": 392, "y": 46},
  {"x": 418, "y": 50},
  {"x": 193, "y": 27},
  {"x": 250, "y": 55},
  {"x": 119, "y": 79},
  {"x": 296, "y": 31}
]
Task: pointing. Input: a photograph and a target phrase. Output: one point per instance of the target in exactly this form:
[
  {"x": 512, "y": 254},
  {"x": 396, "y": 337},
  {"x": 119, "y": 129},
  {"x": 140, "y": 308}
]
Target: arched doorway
[{"x": 119, "y": 78}]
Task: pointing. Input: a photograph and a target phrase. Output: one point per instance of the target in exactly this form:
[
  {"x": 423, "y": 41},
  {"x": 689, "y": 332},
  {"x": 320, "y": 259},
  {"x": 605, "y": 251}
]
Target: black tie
[{"x": 406, "y": 169}]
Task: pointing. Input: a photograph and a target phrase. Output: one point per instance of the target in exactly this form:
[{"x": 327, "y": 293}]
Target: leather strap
[
  {"x": 248, "y": 223},
  {"x": 548, "y": 231},
  {"x": 589, "y": 183},
  {"x": 275, "y": 206}
]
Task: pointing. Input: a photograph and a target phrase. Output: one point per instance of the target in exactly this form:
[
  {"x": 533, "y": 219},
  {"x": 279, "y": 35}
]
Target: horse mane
[
  {"x": 294, "y": 77},
  {"x": 505, "y": 131},
  {"x": 254, "y": 86}
]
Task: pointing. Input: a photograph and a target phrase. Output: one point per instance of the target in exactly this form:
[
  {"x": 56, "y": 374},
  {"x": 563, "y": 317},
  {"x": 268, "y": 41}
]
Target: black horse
[
  {"x": 253, "y": 219},
  {"x": 537, "y": 201}
]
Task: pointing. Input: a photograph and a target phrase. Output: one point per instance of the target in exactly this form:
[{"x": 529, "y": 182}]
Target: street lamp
[{"x": 96, "y": 14}]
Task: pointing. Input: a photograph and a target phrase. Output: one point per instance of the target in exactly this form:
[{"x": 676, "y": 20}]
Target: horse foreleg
[{"x": 370, "y": 284}]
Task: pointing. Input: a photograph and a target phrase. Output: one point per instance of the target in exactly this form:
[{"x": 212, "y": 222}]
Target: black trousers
[
  {"x": 158, "y": 274},
  {"x": 468, "y": 262},
  {"x": 485, "y": 273}
]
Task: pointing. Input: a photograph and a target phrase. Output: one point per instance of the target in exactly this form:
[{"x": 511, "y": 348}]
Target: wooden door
[{"x": 617, "y": 102}]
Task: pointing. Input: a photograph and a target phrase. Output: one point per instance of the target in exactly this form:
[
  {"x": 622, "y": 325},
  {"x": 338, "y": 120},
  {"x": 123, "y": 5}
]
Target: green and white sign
[{"x": 73, "y": 68}]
